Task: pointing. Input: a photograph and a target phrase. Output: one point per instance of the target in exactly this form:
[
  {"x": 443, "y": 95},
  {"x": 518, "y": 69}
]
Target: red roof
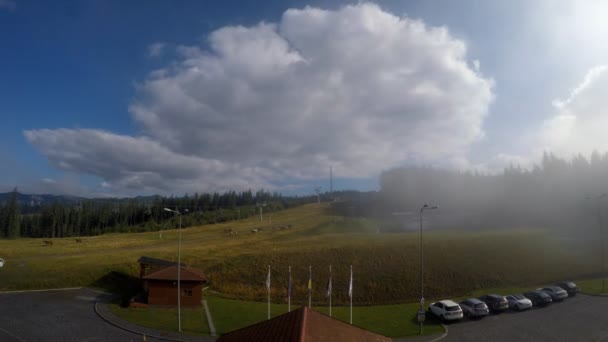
[
  {"x": 170, "y": 273},
  {"x": 303, "y": 325}
]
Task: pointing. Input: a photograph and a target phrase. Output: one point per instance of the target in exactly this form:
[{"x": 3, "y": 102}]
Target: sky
[{"x": 116, "y": 98}]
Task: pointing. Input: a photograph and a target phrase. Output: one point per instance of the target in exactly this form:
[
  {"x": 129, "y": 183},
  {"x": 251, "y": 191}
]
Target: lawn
[
  {"x": 593, "y": 286},
  {"x": 194, "y": 321},
  {"x": 229, "y": 314}
]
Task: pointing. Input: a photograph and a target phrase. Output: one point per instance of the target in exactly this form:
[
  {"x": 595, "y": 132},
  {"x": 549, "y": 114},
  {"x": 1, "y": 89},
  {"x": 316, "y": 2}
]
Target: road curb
[
  {"x": 594, "y": 294},
  {"x": 445, "y": 334},
  {"x": 42, "y": 290},
  {"x": 131, "y": 330}
]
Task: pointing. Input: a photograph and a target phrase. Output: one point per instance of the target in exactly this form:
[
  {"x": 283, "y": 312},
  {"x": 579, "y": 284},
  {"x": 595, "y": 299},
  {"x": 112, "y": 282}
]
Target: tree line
[
  {"x": 99, "y": 216},
  {"x": 556, "y": 193}
]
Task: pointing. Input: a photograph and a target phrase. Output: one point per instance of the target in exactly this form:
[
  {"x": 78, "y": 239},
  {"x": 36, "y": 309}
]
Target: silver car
[
  {"x": 474, "y": 308},
  {"x": 557, "y": 293},
  {"x": 519, "y": 302}
]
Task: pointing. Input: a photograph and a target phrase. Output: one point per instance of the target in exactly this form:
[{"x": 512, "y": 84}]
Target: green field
[
  {"x": 230, "y": 314},
  {"x": 457, "y": 263}
]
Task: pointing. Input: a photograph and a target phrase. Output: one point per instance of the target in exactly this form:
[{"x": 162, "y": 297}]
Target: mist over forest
[{"x": 556, "y": 193}]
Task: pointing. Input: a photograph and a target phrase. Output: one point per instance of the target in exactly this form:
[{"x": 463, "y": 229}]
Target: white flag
[
  {"x": 350, "y": 285},
  {"x": 268, "y": 279}
]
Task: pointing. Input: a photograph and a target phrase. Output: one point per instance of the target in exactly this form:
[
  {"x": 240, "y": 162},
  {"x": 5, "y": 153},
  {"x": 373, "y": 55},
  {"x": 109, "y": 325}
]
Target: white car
[
  {"x": 519, "y": 302},
  {"x": 446, "y": 310}
]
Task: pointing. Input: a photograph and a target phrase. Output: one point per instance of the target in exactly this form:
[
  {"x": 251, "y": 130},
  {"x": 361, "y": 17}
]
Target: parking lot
[
  {"x": 582, "y": 318},
  {"x": 55, "y": 316}
]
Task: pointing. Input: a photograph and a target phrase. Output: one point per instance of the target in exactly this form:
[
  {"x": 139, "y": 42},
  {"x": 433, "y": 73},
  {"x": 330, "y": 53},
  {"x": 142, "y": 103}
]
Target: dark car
[
  {"x": 538, "y": 298},
  {"x": 570, "y": 287},
  {"x": 474, "y": 308},
  {"x": 557, "y": 293},
  {"x": 496, "y": 303}
]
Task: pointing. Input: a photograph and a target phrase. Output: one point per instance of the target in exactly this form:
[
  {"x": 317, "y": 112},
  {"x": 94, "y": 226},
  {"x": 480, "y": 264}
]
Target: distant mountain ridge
[{"x": 37, "y": 200}]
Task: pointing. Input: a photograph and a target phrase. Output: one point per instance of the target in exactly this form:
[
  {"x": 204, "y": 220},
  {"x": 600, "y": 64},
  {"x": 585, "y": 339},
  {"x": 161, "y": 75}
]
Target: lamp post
[
  {"x": 600, "y": 223},
  {"x": 421, "y": 312},
  {"x": 179, "y": 267}
]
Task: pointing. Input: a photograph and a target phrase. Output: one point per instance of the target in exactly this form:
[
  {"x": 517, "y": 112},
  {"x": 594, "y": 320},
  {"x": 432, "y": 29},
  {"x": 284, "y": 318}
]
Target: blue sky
[{"x": 80, "y": 91}]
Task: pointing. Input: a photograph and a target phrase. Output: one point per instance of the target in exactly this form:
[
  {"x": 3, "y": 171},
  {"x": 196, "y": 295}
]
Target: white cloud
[
  {"x": 8, "y": 4},
  {"x": 357, "y": 88},
  {"x": 129, "y": 163},
  {"x": 577, "y": 125},
  {"x": 156, "y": 49},
  {"x": 580, "y": 121}
]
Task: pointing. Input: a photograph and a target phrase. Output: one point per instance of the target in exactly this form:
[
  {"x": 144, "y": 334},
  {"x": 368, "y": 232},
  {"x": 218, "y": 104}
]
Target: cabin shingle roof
[
  {"x": 156, "y": 262},
  {"x": 170, "y": 273}
]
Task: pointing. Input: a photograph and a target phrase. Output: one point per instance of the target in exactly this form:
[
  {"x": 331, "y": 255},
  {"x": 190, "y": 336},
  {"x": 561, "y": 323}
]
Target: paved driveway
[
  {"x": 582, "y": 318},
  {"x": 55, "y": 316}
]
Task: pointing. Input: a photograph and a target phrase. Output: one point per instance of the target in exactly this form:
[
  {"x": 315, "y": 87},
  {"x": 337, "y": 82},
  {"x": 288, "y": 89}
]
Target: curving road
[{"x": 55, "y": 316}]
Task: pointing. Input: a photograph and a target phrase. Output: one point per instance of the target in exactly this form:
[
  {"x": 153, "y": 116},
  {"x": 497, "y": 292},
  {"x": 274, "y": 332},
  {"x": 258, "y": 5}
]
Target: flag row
[{"x": 329, "y": 287}]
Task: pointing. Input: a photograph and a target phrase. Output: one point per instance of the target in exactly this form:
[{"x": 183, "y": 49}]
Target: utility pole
[
  {"x": 421, "y": 312},
  {"x": 331, "y": 180},
  {"x": 179, "y": 267},
  {"x": 599, "y": 218},
  {"x": 261, "y": 205}
]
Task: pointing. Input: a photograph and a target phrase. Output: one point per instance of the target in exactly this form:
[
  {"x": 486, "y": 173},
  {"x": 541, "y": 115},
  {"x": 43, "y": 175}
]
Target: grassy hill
[{"x": 385, "y": 265}]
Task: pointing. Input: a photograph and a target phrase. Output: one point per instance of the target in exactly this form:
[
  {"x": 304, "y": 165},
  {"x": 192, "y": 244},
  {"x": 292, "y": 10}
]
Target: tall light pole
[
  {"x": 421, "y": 312},
  {"x": 600, "y": 223},
  {"x": 179, "y": 267}
]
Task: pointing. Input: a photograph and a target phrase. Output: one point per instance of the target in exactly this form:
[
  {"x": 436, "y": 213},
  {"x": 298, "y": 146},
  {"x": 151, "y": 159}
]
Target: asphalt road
[
  {"x": 582, "y": 318},
  {"x": 55, "y": 316}
]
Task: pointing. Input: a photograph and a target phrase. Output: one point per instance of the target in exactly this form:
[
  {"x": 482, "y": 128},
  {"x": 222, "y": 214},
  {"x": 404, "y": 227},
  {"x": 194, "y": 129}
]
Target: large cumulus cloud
[{"x": 357, "y": 88}]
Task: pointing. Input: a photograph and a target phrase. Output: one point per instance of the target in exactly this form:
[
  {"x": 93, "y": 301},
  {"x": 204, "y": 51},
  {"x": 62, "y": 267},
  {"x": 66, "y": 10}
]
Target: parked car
[
  {"x": 518, "y": 302},
  {"x": 496, "y": 303},
  {"x": 538, "y": 298},
  {"x": 557, "y": 293},
  {"x": 446, "y": 310},
  {"x": 570, "y": 287},
  {"x": 474, "y": 308}
]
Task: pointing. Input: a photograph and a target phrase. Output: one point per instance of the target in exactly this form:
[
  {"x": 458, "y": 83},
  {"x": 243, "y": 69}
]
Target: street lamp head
[
  {"x": 428, "y": 207},
  {"x": 173, "y": 211}
]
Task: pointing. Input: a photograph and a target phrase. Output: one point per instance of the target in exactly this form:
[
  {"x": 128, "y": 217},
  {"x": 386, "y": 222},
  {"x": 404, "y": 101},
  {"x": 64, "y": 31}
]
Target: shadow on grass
[
  {"x": 123, "y": 285},
  {"x": 429, "y": 319}
]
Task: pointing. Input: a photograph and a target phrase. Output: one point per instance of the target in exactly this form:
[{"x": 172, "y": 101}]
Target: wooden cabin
[{"x": 160, "y": 286}]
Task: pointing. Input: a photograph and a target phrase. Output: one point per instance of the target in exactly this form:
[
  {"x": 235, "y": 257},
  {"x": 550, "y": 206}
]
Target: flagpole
[
  {"x": 289, "y": 292},
  {"x": 350, "y": 288},
  {"x": 268, "y": 287},
  {"x": 310, "y": 286},
  {"x": 330, "y": 290}
]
